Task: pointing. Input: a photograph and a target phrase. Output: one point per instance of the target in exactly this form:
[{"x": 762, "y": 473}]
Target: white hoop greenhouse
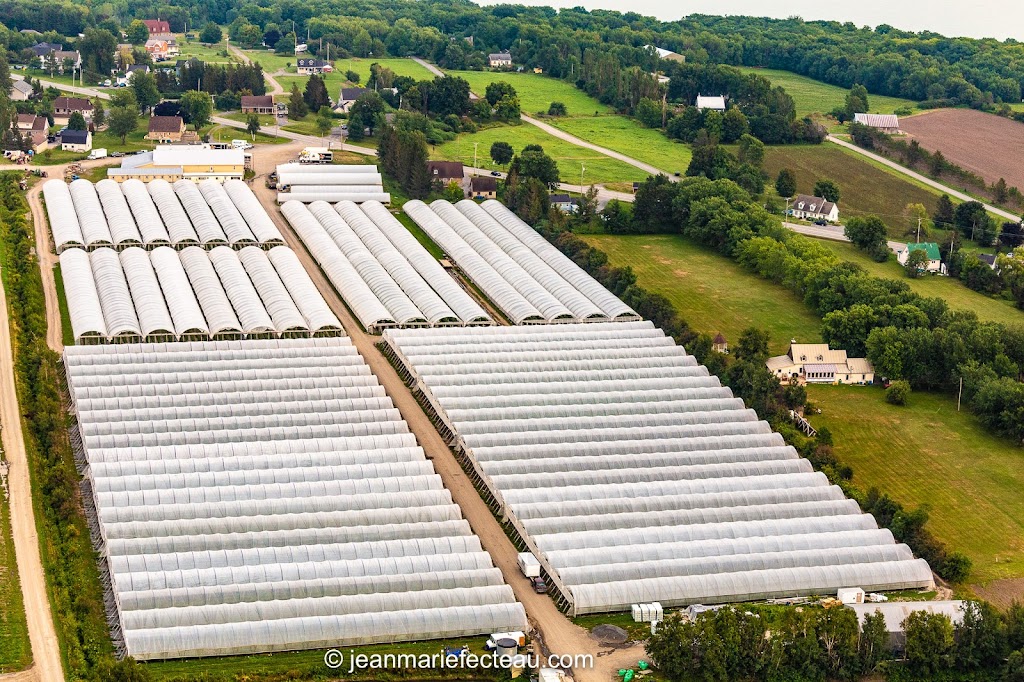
[
  {"x": 634, "y": 476},
  {"x": 264, "y": 495},
  {"x": 66, "y": 230}
]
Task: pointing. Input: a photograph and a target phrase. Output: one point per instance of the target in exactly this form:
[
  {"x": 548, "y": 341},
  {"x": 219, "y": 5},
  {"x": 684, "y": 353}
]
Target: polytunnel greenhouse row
[
  {"x": 530, "y": 280},
  {"x": 385, "y": 276},
  {"x": 133, "y": 213},
  {"x": 192, "y": 294},
  {"x": 634, "y": 475},
  {"x": 267, "y": 496}
]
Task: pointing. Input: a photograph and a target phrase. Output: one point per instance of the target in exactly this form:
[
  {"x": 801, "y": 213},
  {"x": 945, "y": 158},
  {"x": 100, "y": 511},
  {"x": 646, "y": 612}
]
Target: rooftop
[
  {"x": 196, "y": 155},
  {"x": 166, "y": 124},
  {"x": 805, "y": 202},
  {"x": 74, "y": 137},
  {"x": 257, "y": 101},
  {"x": 445, "y": 169},
  {"x": 930, "y": 248},
  {"x": 878, "y": 120}
]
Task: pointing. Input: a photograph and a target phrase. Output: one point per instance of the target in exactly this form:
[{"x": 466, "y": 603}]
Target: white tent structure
[
  {"x": 64, "y": 225},
  {"x": 259, "y": 496},
  {"x": 634, "y": 476},
  {"x": 95, "y": 230},
  {"x": 147, "y": 217},
  {"x": 123, "y": 230}
]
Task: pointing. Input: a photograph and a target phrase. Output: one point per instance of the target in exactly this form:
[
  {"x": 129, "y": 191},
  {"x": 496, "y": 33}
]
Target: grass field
[
  {"x": 928, "y": 453},
  {"x": 600, "y": 168},
  {"x": 712, "y": 293},
  {"x": 813, "y": 96},
  {"x": 536, "y": 92},
  {"x": 211, "y": 54},
  {"x": 947, "y": 288},
  {"x": 626, "y": 136},
  {"x": 336, "y": 79},
  {"x": 864, "y": 187}
]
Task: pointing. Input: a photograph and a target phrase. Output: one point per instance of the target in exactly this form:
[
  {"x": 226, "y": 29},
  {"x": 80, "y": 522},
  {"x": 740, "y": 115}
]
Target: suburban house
[
  {"x": 192, "y": 63},
  {"x": 719, "y": 344},
  {"x": 896, "y": 612},
  {"x": 157, "y": 27},
  {"x": 137, "y": 68},
  {"x": 56, "y": 60},
  {"x": 257, "y": 104},
  {"x": 815, "y": 363},
  {"x": 158, "y": 49},
  {"x": 181, "y": 162},
  {"x": 988, "y": 259},
  {"x": 714, "y": 103},
  {"x": 813, "y": 208},
  {"x": 564, "y": 203},
  {"x": 63, "y": 107},
  {"x": 667, "y": 54},
  {"x": 40, "y": 142},
  {"x": 310, "y": 65},
  {"x": 76, "y": 140},
  {"x": 444, "y": 172},
  {"x": 347, "y": 97},
  {"x": 887, "y": 123},
  {"x": 483, "y": 187},
  {"x": 166, "y": 129},
  {"x": 20, "y": 91},
  {"x": 28, "y": 122},
  {"x": 43, "y": 49},
  {"x": 931, "y": 249},
  {"x": 499, "y": 59}
]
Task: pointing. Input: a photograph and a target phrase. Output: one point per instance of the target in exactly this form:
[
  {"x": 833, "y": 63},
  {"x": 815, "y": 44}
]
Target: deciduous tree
[
  {"x": 501, "y": 153},
  {"x": 827, "y": 189}
]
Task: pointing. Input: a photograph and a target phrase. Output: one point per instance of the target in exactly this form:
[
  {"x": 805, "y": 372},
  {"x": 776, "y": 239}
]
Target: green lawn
[
  {"x": 864, "y": 187},
  {"x": 536, "y": 91},
  {"x": 928, "y": 453},
  {"x": 336, "y": 79},
  {"x": 211, "y": 54},
  {"x": 947, "y": 288},
  {"x": 67, "y": 333},
  {"x": 626, "y": 136},
  {"x": 599, "y": 168},
  {"x": 813, "y": 96},
  {"x": 266, "y": 120},
  {"x": 711, "y": 292}
]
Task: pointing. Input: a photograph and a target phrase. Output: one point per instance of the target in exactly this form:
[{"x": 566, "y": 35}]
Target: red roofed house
[{"x": 157, "y": 26}]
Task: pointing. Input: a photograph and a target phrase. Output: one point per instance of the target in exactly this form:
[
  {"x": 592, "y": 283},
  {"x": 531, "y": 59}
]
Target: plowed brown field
[{"x": 985, "y": 144}]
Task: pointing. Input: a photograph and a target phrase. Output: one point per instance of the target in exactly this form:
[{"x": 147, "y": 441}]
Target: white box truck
[
  {"x": 528, "y": 564},
  {"x": 97, "y": 154}
]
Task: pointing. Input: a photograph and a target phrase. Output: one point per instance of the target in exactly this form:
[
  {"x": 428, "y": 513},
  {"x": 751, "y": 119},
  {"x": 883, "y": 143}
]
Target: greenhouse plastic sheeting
[
  {"x": 264, "y": 495},
  {"x": 629, "y": 471},
  {"x": 95, "y": 230},
  {"x": 199, "y": 213},
  {"x": 147, "y": 217},
  {"x": 235, "y": 228},
  {"x": 115, "y": 298},
  {"x": 179, "y": 226},
  {"x": 154, "y": 319},
  {"x": 260, "y": 223},
  {"x": 60, "y": 210},
  {"x": 83, "y": 300},
  {"x": 123, "y": 230}
]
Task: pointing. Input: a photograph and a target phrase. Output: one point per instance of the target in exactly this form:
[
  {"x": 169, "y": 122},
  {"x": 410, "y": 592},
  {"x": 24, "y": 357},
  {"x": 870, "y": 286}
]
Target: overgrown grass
[
  {"x": 947, "y": 288},
  {"x": 712, "y": 293},
  {"x": 812, "y": 96},
  {"x": 432, "y": 248},
  {"x": 928, "y": 453},
  {"x": 67, "y": 333},
  {"x": 864, "y": 187}
]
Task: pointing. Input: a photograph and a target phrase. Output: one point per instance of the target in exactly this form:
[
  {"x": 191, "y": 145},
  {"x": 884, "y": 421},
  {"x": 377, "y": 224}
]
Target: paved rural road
[
  {"x": 921, "y": 178},
  {"x": 41, "y": 633},
  {"x": 833, "y": 232}
]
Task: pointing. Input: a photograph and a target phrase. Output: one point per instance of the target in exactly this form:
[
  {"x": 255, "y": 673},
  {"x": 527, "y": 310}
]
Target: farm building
[
  {"x": 166, "y": 129},
  {"x": 182, "y": 162},
  {"x": 76, "y": 140},
  {"x": 931, "y": 249},
  {"x": 385, "y": 276},
  {"x": 257, "y": 104},
  {"x": 634, "y": 476},
  {"x": 813, "y": 208},
  {"x": 443, "y": 172},
  {"x": 714, "y": 103},
  {"x": 887, "y": 123},
  {"x": 895, "y": 613},
  {"x": 496, "y": 60},
  {"x": 816, "y": 363}
]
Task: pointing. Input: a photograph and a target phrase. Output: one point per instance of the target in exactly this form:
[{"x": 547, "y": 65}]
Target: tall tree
[
  {"x": 98, "y": 48},
  {"x": 137, "y": 32},
  {"x": 501, "y": 153},
  {"x": 296, "y": 104},
  {"x": 324, "y": 121},
  {"x": 123, "y": 121},
  {"x": 315, "y": 95},
  {"x": 76, "y": 122},
  {"x": 196, "y": 108},
  {"x": 827, "y": 189},
  {"x": 252, "y": 125},
  {"x": 944, "y": 215},
  {"x": 146, "y": 93},
  {"x": 211, "y": 33},
  {"x": 785, "y": 183},
  {"x": 496, "y": 91}
]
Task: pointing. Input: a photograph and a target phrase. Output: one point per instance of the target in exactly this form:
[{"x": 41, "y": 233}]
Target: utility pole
[
  {"x": 959, "y": 393},
  {"x": 475, "y": 145},
  {"x": 582, "y": 190},
  {"x": 919, "y": 230}
]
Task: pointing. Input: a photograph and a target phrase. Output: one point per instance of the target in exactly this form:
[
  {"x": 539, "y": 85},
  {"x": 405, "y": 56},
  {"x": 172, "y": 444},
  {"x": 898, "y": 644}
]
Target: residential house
[
  {"x": 719, "y": 344},
  {"x": 191, "y": 63},
  {"x": 137, "y": 68},
  {"x": 59, "y": 59},
  {"x": 63, "y": 107},
  {"x": 28, "y": 122},
  {"x": 158, "y": 49},
  {"x": 76, "y": 141},
  {"x": 444, "y": 172},
  {"x": 564, "y": 203},
  {"x": 816, "y": 363},
  {"x": 931, "y": 249},
  {"x": 307, "y": 66},
  {"x": 813, "y": 208},
  {"x": 887, "y": 123},
  {"x": 43, "y": 49},
  {"x": 347, "y": 97},
  {"x": 40, "y": 141},
  {"x": 895, "y": 614},
  {"x": 157, "y": 26},
  {"x": 21, "y": 91},
  {"x": 182, "y": 162},
  {"x": 988, "y": 259},
  {"x": 667, "y": 54},
  {"x": 498, "y": 60},
  {"x": 483, "y": 187},
  {"x": 257, "y": 104},
  {"x": 714, "y": 103},
  {"x": 166, "y": 129}
]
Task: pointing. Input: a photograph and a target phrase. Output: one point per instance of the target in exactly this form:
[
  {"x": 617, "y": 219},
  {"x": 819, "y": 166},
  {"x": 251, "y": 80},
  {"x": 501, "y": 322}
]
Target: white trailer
[{"x": 528, "y": 564}]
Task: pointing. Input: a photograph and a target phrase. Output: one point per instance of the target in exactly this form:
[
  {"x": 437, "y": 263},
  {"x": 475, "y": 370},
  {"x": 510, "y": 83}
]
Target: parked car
[
  {"x": 539, "y": 586},
  {"x": 116, "y": 155},
  {"x": 496, "y": 174},
  {"x": 821, "y": 221}
]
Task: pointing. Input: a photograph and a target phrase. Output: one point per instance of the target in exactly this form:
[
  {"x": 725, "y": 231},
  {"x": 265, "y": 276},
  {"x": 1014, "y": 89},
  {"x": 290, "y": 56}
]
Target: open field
[
  {"x": 990, "y": 146},
  {"x": 951, "y": 290},
  {"x": 211, "y": 54},
  {"x": 864, "y": 187},
  {"x": 712, "y": 293},
  {"x": 928, "y": 453},
  {"x": 812, "y": 96},
  {"x": 600, "y": 168},
  {"x": 336, "y": 79},
  {"x": 537, "y": 91},
  {"x": 626, "y": 136}
]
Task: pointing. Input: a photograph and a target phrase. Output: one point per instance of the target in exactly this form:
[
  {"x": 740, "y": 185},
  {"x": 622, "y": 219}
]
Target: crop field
[
  {"x": 812, "y": 96},
  {"x": 928, "y": 453},
  {"x": 536, "y": 92},
  {"x": 951, "y": 290},
  {"x": 712, "y": 293},
  {"x": 864, "y": 188},
  {"x": 600, "y": 168},
  {"x": 985, "y": 144},
  {"x": 626, "y": 136}
]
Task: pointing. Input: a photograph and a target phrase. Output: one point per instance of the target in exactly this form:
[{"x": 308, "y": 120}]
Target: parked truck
[
  {"x": 316, "y": 155},
  {"x": 528, "y": 564},
  {"x": 100, "y": 153}
]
